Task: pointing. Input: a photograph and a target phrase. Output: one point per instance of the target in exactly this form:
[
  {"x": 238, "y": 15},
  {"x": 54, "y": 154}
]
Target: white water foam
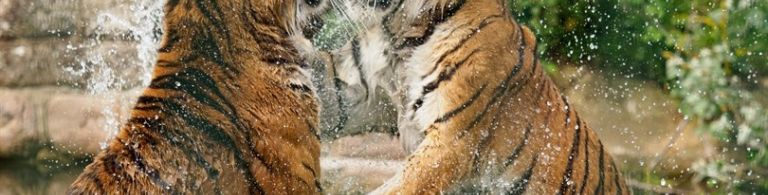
[{"x": 110, "y": 66}]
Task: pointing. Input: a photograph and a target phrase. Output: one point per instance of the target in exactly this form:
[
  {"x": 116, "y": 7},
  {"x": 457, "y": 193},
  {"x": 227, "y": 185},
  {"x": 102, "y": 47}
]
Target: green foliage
[
  {"x": 701, "y": 77},
  {"x": 629, "y": 36}
]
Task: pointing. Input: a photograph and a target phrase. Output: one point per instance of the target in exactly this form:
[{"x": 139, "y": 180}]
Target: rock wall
[{"x": 49, "y": 52}]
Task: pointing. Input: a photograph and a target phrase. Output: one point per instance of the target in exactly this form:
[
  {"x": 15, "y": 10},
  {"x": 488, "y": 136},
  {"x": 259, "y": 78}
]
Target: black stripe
[
  {"x": 600, "y": 189},
  {"x": 145, "y": 122},
  {"x": 437, "y": 19},
  {"x": 158, "y": 126},
  {"x": 206, "y": 43},
  {"x": 567, "y": 110},
  {"x": 452, "y": 9},
  {"x": 208, "y": 48},
  {"x": 318, "y": 185},
  {"x": 411, "y": 42},
  {"x": 110, "y": 162},
  {"x": 388, "y": 17},
  {"x": 535, "y": 62},
  {"x": 517, "y": 86},
  {"x": 172, "y": 37},
  {"x": 220, "y": 135},
  {"x": 198, "y": 93},
  {"x": 586, "y": 161},
  {"x": 501, "y": 89},
  {"x": 94, "y": 178},
  {"x": 166, "y": 63},
  {"x": 151, "y": 172},
  {"x": 571, "y": 157},
  {"x": 197, "y": 84},
  {"x": 461, "y": 43},
  {"x": 314, "y": 175},
  {"x": 358, "y": 64},
  {"x": 306, "y": 166},
  {"x": 148, "y": 107},
  {"x": 519, "y": 148},
  {"x": 483, "y": 145},
  {"x": 145, "y": 99},
  {"x": 464, "y": 106},
  {"x": 447, "y": 73},
  {"x": 521, "y": 185},
  {"x": 617, "y": 178},
  {"x": 278, "y": 60},
  {"x": 217, "y": 19},
  {"x": 275, "y": 48},
  {"x": 300, "y": 87},
  {"x": 312, "y": 129},
  {"x": 340, "y": 94},
  {"x": 171, "y": 5},
  {"x": 177, "y": 63}
]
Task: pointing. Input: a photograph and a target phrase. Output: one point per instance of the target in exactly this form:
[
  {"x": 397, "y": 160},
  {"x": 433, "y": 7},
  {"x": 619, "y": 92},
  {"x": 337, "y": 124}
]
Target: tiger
[
  {"x": 230, "y": 108},
  {"x": 473, "y": 106}
]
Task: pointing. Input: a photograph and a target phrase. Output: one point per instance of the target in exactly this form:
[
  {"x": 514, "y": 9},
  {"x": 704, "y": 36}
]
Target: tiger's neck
[{"x": 231, "y": 32}]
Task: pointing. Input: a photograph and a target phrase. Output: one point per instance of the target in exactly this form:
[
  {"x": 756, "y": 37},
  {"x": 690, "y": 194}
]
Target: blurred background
[{"x": 676, "y": 89}]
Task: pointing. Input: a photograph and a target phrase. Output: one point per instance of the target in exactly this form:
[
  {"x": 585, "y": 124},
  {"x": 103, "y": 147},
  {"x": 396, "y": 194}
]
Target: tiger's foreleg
[{"x": 441, "y": 160}]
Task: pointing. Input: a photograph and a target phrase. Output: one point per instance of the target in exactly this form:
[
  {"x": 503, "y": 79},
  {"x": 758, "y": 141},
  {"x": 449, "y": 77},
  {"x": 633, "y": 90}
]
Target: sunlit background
[{"x": 676, "y": 89}]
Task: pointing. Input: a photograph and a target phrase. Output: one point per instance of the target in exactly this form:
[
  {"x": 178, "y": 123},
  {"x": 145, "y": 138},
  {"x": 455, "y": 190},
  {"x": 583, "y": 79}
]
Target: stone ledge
[
  {"x": 71, "y": 61},
  {"x": 37, "y": 18},
  {"x": 36, "y": 62},
  {"x": 57, "y": 18},
  {"x": 68, "y": 121},
  {"x": 18, "y": 124}
]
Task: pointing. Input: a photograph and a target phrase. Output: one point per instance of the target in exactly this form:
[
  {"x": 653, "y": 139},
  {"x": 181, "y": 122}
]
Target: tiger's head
[{"x": 237, "y": 24}]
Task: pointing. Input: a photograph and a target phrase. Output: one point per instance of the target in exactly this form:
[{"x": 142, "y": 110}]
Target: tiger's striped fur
[
  {"x": 474, "y": 107},
  {"x": 230, "y": 108}
]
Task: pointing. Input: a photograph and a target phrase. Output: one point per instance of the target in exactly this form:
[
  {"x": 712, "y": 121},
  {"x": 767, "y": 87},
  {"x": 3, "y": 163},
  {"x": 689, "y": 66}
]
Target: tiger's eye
[{"x": 313, "y": 3}]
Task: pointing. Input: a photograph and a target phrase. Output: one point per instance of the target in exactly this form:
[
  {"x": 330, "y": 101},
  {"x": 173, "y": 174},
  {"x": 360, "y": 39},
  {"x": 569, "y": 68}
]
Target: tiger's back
[
  {"x": 475, "y": 108},
  {"x": 229, "y": 108}
]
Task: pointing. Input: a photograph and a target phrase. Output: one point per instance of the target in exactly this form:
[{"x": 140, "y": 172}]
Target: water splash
[{"x": 119, "y": 57}]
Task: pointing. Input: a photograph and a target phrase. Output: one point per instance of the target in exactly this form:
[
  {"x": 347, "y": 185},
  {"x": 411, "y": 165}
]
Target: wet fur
[
  {"x": 230, "y": 109},
  {"x": 474, "y": 106}
]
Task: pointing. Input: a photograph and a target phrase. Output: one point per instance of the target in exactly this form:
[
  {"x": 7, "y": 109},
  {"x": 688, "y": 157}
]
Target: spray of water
[{"x": 109, "y": 64}]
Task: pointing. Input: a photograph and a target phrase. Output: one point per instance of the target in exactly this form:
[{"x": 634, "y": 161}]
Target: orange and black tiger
[
  {"x": 230, "y": 108},
  {"x": 474, "y": 107}
]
